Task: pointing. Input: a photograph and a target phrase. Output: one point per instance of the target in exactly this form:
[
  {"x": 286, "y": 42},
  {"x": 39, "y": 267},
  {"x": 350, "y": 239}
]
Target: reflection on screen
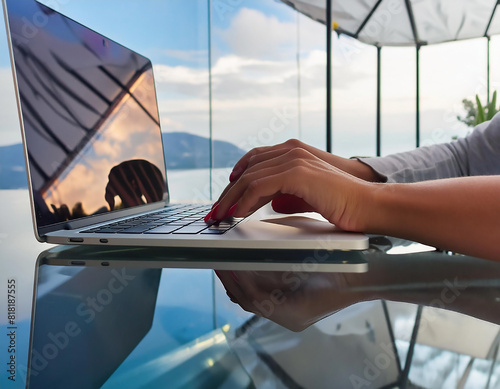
[{"x": 90, "y": 117}]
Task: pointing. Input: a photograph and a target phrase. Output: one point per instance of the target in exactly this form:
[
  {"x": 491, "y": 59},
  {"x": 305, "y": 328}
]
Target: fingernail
[
  {"x": 209, "y": 216},
  {"x": 235, "y": 277},
  {"x": 232, "y": 211},
  {"x": 213, "y": 213},
  {"x": 231, "y": 297},
  {"x": 234, "y": 175}
]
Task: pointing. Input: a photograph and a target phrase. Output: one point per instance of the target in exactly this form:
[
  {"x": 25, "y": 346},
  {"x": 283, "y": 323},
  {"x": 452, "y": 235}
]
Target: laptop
[{"x": 94, "y": 151}]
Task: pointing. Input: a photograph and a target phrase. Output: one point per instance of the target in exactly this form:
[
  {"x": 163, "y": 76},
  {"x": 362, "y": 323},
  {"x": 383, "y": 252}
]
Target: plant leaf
[
  {"x": 492, "y": 109},
  {"x": 480, "y": 117}
]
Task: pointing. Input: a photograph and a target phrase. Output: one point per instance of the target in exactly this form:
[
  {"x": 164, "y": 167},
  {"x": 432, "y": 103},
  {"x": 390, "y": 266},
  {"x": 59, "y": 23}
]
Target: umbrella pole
[{"x": 328, "y": 76}]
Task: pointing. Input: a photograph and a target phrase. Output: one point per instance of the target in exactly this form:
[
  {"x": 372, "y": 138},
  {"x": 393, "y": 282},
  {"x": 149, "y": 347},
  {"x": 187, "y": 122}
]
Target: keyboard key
[
  {"x": 165, "y": 229},
  {"x": 190, "y": 229},
  {"x": 213, "y": 231},
  {"x": 178, "y": 223},
  {"x": 91, "y": 230},
  {"x": 191, "y": 218},
  {"x": 169, "y": 219},
  {"x": 108, "y": 230},
  {"x": 137, "y": 229},
  {"x": 172, "y": 218},
  {"x": 126, "y": 225}
]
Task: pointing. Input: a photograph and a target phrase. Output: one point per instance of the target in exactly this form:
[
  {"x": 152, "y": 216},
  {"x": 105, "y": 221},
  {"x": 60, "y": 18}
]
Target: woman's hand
[
  {"x": 292, "y": 300},
  {"x": 259, "y": 154},
  {"x": 307, "y": 181}
]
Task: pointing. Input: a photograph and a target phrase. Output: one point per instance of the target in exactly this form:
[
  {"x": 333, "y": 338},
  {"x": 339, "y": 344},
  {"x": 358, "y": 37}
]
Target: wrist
[{"x": 379, "y": 202}]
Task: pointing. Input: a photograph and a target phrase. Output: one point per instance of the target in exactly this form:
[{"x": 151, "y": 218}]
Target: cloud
[
  {"x": 257, "y": 75},
  {"x": 252, "y": 34},
  {"x": 180, "y": 74}
]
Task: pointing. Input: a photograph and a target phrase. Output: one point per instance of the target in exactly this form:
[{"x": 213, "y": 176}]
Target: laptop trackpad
[
  {"x": 267, "y": 224},
  {"x": 304, "y": 223}
]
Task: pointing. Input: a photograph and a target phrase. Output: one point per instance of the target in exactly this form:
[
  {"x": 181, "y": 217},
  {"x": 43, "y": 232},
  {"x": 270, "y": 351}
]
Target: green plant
[{"x": 477, "y": 113}]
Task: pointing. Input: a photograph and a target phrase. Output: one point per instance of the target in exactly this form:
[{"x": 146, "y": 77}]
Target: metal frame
[
  {"x": 328, "y": 76},
  {"x": 379, "y": 102},
  {"x": 418, "y": 44},
  {"x": 210, "y": 117},
  {"x": 417, "y": 98}
]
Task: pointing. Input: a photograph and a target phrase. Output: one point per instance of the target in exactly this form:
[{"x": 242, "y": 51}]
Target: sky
[{"x": 255, "y": 80}]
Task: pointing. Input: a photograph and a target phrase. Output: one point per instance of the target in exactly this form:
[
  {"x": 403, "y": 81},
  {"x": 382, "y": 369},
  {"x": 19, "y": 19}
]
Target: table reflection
[
  {"x": 425, "y": 319},
  {"x": 90, "y": 319}
]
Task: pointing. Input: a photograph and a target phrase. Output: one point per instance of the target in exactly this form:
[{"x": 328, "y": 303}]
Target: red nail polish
[
  {"x": 215, "y": 204},
  {"x": 209, "y": 216},
  {"x": 235, "y": 174},
  {"x": 232, "y": 211},
  {"x": 231, "y": 297},
  {"x": 213, "y": 213}
]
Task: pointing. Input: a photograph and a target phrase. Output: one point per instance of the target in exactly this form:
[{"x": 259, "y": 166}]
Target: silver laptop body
[{"x": 94, "y": 149}]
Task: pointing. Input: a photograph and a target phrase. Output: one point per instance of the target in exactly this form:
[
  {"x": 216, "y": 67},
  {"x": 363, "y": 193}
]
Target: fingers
[
  {"x": 242, "y": 164},
  {"x": 229, "y": 281},
  {"x": 109, "y": 196},
  {"x": 260, "y": 153},
  {"x": 263, "y": 184},
  {"x": 239, "y": 287},
  {"x": 269, "y": 169},
  {"x": 251, "y": 159},
  {"x": 259, "y": 191},
  {"x": 271, "y": 157}
]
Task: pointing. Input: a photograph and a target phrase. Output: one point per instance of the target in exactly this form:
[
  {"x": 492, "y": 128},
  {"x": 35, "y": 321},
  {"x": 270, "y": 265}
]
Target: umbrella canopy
[{"x": 406, "y": 22}]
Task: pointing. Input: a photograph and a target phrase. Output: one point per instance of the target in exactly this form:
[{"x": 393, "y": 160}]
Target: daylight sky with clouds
[{"x": 254, "y": 75}]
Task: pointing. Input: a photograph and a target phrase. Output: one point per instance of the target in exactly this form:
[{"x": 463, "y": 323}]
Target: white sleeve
[{"x": 477, "y": 154}]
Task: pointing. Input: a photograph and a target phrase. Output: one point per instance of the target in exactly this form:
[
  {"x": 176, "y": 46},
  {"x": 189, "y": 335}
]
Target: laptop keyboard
[{"x": 173, "y": 219}]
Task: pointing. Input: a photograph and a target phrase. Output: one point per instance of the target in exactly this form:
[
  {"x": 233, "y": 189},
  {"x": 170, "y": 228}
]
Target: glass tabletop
[{"x": 417, "y": 318}]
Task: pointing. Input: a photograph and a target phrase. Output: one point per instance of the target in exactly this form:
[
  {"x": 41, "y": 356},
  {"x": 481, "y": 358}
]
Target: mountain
[
  {"x": 182, "y": 151},
  {"x": 188, "y": 151},
  {"x": 12, "y": 167}
]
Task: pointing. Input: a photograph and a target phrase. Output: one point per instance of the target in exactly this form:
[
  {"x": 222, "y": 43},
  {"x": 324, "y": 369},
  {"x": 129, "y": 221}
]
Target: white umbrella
[
  {"x": 401, "y": 23},
  {"x": 406, "y": 22}
]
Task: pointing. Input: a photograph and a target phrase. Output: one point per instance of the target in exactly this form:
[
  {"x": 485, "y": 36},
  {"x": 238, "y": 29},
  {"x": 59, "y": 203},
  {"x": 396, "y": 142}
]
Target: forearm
[
  {"x": 477, "y": 154},
  {"x": 461, "y": 284},
  {"x": 460, "y": 215}
]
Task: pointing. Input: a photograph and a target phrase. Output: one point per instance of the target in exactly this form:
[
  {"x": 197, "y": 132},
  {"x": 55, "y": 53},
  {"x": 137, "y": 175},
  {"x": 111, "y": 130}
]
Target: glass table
[{"x": 417, "y": 319}]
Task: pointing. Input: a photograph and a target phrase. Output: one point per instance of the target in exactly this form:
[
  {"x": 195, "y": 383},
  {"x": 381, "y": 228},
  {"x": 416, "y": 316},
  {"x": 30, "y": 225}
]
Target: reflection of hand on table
[
  {"x": 297, "y": 300},
  {"x": 293, "y": 300}
]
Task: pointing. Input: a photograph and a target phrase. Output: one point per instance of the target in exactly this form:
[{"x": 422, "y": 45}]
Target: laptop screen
[{"x": 89, "y": 114}]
